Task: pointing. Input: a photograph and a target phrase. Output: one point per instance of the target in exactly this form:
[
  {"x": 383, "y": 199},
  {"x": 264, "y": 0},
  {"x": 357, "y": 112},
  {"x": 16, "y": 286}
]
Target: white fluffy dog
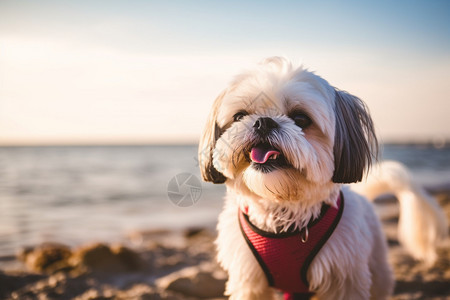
[{"x": 283, "y": 140}]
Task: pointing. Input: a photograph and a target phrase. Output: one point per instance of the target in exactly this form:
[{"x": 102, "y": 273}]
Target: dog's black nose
[{"x": 265, "y": 125}]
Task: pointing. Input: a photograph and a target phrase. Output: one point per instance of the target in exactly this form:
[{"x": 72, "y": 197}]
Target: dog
[{"x": 285, "y": 142}]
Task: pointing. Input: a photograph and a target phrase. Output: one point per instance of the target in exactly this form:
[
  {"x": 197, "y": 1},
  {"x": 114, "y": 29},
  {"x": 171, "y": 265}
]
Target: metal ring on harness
[{"x": 305, "y": 234}]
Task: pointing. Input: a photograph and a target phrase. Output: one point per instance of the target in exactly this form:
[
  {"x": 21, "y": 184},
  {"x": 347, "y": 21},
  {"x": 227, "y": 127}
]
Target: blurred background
[{"x": 102, "y": 102}]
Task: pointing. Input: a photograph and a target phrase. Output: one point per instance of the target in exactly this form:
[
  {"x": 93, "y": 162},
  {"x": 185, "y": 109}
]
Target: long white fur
[
  {"x": 353, "y": 263},
  {"x": 422, "y": 223}
]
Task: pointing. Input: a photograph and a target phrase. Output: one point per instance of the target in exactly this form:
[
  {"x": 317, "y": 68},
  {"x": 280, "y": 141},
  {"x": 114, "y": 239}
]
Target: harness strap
[{"x": 297, "y": 296}]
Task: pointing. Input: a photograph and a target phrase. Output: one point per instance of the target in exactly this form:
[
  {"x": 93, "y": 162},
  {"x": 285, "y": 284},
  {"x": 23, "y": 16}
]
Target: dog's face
[{"x": 280, "y": 132}]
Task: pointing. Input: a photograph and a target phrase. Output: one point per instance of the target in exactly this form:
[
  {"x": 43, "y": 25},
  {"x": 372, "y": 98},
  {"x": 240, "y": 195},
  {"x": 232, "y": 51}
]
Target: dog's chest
[{"x": 286, "y": 257}]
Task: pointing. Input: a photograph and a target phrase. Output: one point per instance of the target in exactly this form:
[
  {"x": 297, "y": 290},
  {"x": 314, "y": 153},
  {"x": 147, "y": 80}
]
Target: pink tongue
[{"x": 261, "y": 154}]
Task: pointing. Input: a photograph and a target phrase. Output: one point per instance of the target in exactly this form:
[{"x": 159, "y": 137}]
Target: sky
[{"x": 95, "y": 72}]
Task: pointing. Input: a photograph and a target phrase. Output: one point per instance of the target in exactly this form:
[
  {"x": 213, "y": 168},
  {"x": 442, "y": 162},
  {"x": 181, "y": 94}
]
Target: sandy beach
[{"x": 162, "y": 264}]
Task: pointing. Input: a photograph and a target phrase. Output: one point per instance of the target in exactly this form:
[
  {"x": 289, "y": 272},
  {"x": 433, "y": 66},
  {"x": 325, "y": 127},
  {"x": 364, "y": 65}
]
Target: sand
[{"x": 178, "y": 265}]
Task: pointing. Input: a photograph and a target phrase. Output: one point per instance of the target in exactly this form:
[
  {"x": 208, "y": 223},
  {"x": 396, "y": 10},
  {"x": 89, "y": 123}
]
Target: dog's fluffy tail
[{"x": 422, "y": 223}]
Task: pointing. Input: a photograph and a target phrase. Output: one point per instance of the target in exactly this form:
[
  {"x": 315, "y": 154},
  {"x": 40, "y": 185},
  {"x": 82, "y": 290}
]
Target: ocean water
[{"x": 79, "y": 194}]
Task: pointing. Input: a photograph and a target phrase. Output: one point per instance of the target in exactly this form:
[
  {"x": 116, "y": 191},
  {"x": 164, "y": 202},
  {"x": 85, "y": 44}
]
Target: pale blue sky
[{"x": 146, "y": 71}]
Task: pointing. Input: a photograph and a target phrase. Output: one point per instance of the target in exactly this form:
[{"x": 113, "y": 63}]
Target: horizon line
[{"x": 442, "y": 143}]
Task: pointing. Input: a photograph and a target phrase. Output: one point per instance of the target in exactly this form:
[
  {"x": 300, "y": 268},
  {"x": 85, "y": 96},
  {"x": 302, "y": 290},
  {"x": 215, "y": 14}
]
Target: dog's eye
[
  {"x": 239, "y": 115},
  {"x": 301, "y": 120}
]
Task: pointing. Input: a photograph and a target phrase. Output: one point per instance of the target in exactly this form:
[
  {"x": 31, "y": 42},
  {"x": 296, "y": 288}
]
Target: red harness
[{"x": 285, "y": 257}]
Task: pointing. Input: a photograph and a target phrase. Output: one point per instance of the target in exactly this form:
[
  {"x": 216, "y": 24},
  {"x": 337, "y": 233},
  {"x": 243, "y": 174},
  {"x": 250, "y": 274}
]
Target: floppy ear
[
  {"x": 355, "y": 142},
  {"x": 211, "y": 133}
]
